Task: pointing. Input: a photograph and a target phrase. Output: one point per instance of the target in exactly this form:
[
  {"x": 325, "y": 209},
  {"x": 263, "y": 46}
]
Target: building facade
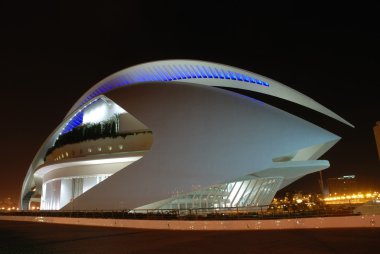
[{"x": 167, "y": 135}]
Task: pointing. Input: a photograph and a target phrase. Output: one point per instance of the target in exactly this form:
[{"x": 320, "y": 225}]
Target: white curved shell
[
  {"x": 202, "y": 136},
  {"x": 204, "y": 73}
]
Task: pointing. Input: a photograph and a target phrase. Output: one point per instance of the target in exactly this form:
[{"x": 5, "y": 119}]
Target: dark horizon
[{"x": 52, "y": 54}]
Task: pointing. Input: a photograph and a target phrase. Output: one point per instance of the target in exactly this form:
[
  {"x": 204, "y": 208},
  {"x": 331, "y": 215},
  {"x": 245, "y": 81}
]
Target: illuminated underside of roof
[{"x": 204, "y": 73}]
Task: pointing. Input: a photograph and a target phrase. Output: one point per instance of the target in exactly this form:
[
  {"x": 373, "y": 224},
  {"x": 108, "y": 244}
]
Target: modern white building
[{"x": 167, "y": 135}]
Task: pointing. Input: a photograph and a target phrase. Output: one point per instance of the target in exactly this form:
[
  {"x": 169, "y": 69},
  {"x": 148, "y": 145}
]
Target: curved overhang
[
  {"x": 203, "y": 73},
  {"x": 109, "y": 159}
]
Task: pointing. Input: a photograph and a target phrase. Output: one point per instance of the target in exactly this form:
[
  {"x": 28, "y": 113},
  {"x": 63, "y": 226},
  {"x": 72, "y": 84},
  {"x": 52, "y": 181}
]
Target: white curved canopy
[{"x": 203, "y": 73}]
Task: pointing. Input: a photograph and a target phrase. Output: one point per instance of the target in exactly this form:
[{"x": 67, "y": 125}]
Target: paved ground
[{"x": 29, "y": 237}]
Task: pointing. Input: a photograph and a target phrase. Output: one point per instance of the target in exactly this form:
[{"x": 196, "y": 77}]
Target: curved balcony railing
[{"x": 136, "y": 141}]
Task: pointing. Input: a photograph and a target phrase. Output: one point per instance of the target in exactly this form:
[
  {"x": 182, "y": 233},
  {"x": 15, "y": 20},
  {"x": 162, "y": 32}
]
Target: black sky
[{"x": 51, "y": 54}]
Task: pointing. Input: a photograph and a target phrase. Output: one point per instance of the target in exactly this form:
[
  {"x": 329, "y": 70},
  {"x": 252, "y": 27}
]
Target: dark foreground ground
[{"x": 28, "y": 237}]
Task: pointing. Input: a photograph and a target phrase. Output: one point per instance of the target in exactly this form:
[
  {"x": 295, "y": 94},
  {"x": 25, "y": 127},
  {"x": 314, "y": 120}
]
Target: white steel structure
[{"x": 182, "y": 142}]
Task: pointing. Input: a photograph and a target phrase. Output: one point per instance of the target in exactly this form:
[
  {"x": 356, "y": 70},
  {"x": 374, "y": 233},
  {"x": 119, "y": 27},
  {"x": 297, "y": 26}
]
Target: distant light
[
  {"x": 351, "y": 198},
  {"x": 346, "y": 177}
]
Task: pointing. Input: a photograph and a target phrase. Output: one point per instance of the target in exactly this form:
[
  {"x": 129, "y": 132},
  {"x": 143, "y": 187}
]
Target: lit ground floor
[
  {"x": 350, "y": 221},
  {"x": 28, "y": 237}
]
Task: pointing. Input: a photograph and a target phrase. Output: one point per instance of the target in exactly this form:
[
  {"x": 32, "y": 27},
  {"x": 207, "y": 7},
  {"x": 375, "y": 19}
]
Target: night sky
[{"x": 50, "y": 55}]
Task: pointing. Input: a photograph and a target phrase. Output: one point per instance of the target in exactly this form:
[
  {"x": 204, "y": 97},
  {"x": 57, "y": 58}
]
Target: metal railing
[{"x": 235, "y": 213}]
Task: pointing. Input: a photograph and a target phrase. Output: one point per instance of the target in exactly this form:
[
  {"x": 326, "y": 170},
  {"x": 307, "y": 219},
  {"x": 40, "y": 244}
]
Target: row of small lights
[
  {"x": 66, "y": 154},
  {"x": 304, "y": 199},
  {"x": 334, "y": 197},
  {"x": 13, "y": 208},
  {"x": 353, "y": 196}
]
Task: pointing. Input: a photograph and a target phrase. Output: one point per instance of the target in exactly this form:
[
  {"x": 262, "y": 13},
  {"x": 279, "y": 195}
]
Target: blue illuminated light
[
  {"x": 191, "y": 73},
  {"x": 179, "y": 72},
  {"x": 185, "y": 71},
  {"x": 159, "y": 72},
  {"x": 214, "y": 75},
  {"x": 220, "y": 73},
  {"x": 204, "y": 75},
  {"x": 199, "y": 75},
  {"x": 209, "y": 75},
  {"x": 74, "y": 122},
  {"x": 169, "y": 73},
  {"x": 226, "y": 74},
  {"x": 153, "y": 74},
  {"x": 166, "y": 75},
  {"x": 232, "y": 74},
  {"x": 142, "y": 75}
]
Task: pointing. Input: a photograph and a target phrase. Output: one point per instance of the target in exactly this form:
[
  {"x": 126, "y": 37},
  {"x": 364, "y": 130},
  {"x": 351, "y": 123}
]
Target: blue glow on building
[
  {"x": 166, "y": 73},
  {"x": 74, "y": 122}
]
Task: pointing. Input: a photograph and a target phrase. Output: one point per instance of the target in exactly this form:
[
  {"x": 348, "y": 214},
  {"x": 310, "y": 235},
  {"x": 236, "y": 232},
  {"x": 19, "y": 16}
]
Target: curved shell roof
[
  {"x": 187, "y": 71},
  {"x": 204, "y": 73}
]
